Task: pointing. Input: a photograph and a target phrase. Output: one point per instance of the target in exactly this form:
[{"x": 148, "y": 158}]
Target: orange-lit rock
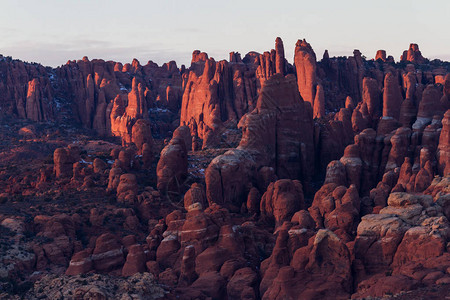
[
  {"x": 413, "y": 54},
  {"x": 305, "y": 64}
]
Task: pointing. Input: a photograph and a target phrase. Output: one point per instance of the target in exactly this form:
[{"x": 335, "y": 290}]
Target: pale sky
[{"x": 53, "y": 31}]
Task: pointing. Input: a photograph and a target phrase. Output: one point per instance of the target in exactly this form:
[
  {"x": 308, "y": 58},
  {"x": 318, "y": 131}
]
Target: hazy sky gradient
[{"x": 54, "y": 31}]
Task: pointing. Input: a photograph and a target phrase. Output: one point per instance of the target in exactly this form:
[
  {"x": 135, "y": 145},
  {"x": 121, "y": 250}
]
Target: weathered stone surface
[
  {"x": 371, "y": 97},
  {"x": 336, "y": 173},
  {"x": 282, "y": 127},
  {"x": 320, "y": 269},
  {"x": 281, "y": 200},
  {"x": 430, "y": 104},
  {"x": 141, "y": 133},
  {"x": 243, "y": 284},
  {"x": 443, "y": 152},
  {"x": 127, "y": 188},
  {"x": 381, "y": 54},
  {"x": 392, "y": 97},
  {"x": 63, "y": 163},
  {"x": 377, "y": 239},
  {"x": 135, "y": 262},
  {"x": 413, "y": 54},
  {"x": 80, "y": 263},
  {"x": 353, "y": 165},
  {"x": 196, "y": 194},
  {"x": 305, "y": 65},
  {"x": 172, "y": 166},
  {"x": 187, "y": 273},
  {"x": 108, "y": 253}
]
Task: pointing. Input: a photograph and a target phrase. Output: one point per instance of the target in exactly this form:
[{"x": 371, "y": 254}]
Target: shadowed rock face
[
  {"x": 281, "y": 200},
  {"x": 323, "y": 179},
  {"x": 277, "y": 133},
  {"x": 291, "y": 125},
  {"x": 392, "y": 97},
  {"x": 371, "y": 97},
  {"x": 319, "y": 269},
  {"x": 141, "y": 133},
  {"x": 172, "y": 166},
  {"x": 430, "y": 104},
  {"x": 444, "y": 146}
]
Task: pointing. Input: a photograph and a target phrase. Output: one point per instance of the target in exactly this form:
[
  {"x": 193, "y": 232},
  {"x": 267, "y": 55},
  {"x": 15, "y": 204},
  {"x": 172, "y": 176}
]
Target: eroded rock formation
[{"x": 323, "y": 179}]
